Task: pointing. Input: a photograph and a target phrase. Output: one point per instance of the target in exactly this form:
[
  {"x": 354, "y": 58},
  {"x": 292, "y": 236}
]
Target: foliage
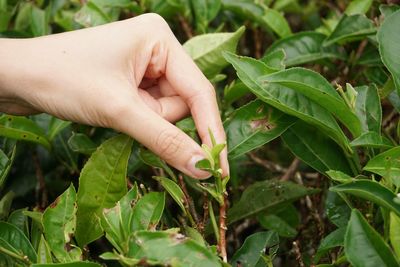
[{"x": 309, "y": 92}]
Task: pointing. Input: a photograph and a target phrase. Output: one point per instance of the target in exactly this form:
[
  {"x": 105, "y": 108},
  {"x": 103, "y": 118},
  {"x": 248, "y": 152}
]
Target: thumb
[{"x": 164, "y": 139}]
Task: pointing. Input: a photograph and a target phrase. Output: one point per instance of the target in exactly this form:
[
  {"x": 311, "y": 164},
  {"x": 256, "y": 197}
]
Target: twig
[
  {"x": 266, "y": 164},
  {"x": 189, "y": 204},
  {"x": 296, "y": 249},
  {"x": 257, "y": 43},
  {"x": 223, "y": 228},
  {"x": 185, "y": 26},
  {"x": 291, "y": 170},
  {"x": 41, "y": 191},
  {"x": 205, "y": 213}
]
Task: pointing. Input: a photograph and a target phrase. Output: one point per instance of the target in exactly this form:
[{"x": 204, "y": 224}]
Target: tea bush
[{"x": 309, "y": 94}]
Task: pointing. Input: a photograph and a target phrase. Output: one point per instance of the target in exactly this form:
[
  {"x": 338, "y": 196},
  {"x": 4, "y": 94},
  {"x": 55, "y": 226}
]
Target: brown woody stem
[{"x": 223, "y": 228}]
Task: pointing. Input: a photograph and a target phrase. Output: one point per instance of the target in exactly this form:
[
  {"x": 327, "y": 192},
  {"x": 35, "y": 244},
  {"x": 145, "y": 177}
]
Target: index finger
[{"x": 199, "y": 94}]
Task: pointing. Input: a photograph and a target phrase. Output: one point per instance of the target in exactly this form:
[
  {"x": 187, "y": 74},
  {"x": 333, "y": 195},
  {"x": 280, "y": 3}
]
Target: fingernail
[{"x": 197, "y": 173}]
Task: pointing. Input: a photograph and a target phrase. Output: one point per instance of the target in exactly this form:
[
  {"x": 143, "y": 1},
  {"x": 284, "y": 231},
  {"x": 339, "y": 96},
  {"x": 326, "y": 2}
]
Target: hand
[{"x": 130, "y": 75}]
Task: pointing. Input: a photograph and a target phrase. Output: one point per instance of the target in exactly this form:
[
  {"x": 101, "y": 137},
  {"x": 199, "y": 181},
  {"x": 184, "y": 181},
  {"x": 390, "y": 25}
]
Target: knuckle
[
  {"x": 155, "y": 20},
  {"x": 169, "y": 144},
  {"x": 115, "y": 111}
]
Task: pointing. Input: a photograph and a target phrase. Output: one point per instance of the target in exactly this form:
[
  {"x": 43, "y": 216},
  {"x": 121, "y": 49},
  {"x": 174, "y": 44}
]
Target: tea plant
[{"x": 310, "y": 96}]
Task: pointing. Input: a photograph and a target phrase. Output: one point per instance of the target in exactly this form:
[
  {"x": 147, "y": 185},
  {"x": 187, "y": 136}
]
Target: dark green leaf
[
  {"x": 336, "y": 209},
  {"x": 315, "y": 149},
  {"x": 361, "y": 237},
  {"x": 312, "y": 85},
  {"x": 101, "y": 184},
  {"x": 277, "y": 223},
  {"x": 39, "y": 24},
  {"x": 394, "y": 233},
  {"x": 6, "y": 161},
  {"x": 264, "y": 195},
  {"x": 370, "y": 190},
  {"x": 253, "y": 248},
  {"x": 19, "y": 219},
  {"x": 254, "y": 125},
  {"x": 332, "y": 240},
  {"x": 70, "y": 264},
  {"x": 285, "y": 99},
  {"x": 21, "y": 128},
  {"x": 5, "y": 204},
  {"x": 389, "y": 46},
  {"x": 304, "y": 47},
  {"x": 206, "y": 50},
  {"x": 351, "y": 28},
  {"x": 81, "y": 143},
  {"x": 16, "y": 239},
  {"x": 368, "y": 108},
  {"x": 275, "y": 59},
  {"x": 204, "y": 12}
]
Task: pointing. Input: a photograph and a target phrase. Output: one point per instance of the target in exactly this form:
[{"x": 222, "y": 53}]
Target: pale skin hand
[{"x": 132, "y": 76}]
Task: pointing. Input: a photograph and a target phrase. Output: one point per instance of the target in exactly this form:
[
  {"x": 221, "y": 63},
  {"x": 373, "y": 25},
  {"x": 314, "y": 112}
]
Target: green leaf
[
  {"x": 44, "y": 252},
  {"x": 275, "y": 60},
  {"x": 70, "y": 264},
  {"x": 368, "y": 108},
  {"x": 315, "y": 149},
  {"x": 387, "y": 10},
  {"x": 372, "y": 191},
  {"x": 172, "y": 249},
  {"x": 332, "y": 240},
  {"x": 339, "y": 176},
  {"x": 206, "y": 50},
  {"x": 101, "y": 184},
  {"x": 59, "y": 223},
  {"x": 386, "y": 164},
  {"x": 277, "y": 223},
  {"x": 148, "y": 211},
  {"x": 253, "y": 248},
  {"x": 266, "y": 195},
  {"x": 204, "y": 12},
  {"x": 358, "y": 7},
  {"x": 371, "y": 139},
  {"x": 91, "y": 15},
  {"x": 56, "y": 126},
  {"x": 268, "y": 18},
  {"x": 5, "y": 204},
  {"x": 304, "y": 47},
  {"x": 39, "y": 25},
  {"x": 394, "y": 233},
  {"x": 6, "y": 162},
  {"x": 153, "y": 160},
  {"x": 361, "y": 237},
  {"x": 21, "y": 128},
  {"x": 254, "y": 125},
  {"x": 312, "y": 85},
  {"x": 389, "y": 46},
  {"x": 351, "y": 28},
  {"x": 336, "y": 209},
  {"x": 81, "y": 143},
  {"x": 14, "y": 238},
  {"x": 174, "y": 190},
  {"x": 285, "y": 99}
]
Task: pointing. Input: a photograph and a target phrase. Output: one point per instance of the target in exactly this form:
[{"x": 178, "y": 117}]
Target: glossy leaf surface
[
  {"x": 386, "y": 163},
  {"x": 147, "y": 211}
]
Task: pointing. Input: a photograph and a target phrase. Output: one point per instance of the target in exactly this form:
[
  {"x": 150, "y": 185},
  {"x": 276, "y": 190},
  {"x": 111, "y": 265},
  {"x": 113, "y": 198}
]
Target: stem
[
  {"x": 205, "y": 213},
  {"x": 223, "y": 228},
  {"x": 22, "y": 258},
  {"x": 213, "y": 221},
  {"x": 189, "y": 204}
]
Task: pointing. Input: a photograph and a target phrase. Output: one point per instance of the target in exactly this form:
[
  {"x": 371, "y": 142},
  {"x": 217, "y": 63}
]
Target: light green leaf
[
  {"x": 6, "y": 162},
  {"x": 371, "y": 139},
  {"x": 339, "y": 176},
  {"x": 70, "y": 264},
  {"x": 394, "y": 233},
  {"x": 254, "y": 125},
  {"x": 370, "y": 190},
  {"x": 204, "y": 12},
  {"x": 389, "y": 46},
  {"x": 361, "y": 237},
  {"x": 386, "y": 164},
  {"x": 14, "y": 238},
  {"x": 172, "y": 249},
  {"x": 285, "y": 99},
  {"x": 21, "y": 128},
  {"x": 312, "y": 85},
  {"x": 275, "y": 59},
  {"x": 253, "y": 249},
  {"x": 39, "y": 25},
  {"x": 351, "y": 28},
  {"x": 304, "y": 47},
  {"x": 265, "y": 195},
  {"x": 148, "y": 211},
  {"x": 91, "y": 15},
  {"x": 206, "y": 50},
  {"x": 277, "y": 22},
  {"x": 44, "y": 252},
  {"x": 5, "y": 204},
  {"x": 358, "y": 7},
  {"x": 59, "y": 223},
  {"x": 387, "y": 10},
  {"x": 315, "y": 148},
  {"x": 174, "y": 190},
  {"x": 56, "y": 126},
  {"x": 101, "y": 184}
]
